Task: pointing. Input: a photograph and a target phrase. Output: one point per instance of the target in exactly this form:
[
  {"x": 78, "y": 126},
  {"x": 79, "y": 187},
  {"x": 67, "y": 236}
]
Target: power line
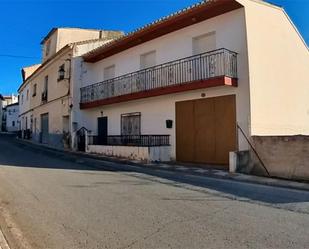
[{"x": 18, "y": 56}]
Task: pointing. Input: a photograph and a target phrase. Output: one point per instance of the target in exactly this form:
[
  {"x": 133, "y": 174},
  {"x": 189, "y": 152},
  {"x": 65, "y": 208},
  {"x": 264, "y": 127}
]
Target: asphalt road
[{"x": 48, "y": 201}]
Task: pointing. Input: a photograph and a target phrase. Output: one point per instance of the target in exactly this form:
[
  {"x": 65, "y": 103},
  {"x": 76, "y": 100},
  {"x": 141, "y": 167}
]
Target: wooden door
[{"x": 206, "y": 130}]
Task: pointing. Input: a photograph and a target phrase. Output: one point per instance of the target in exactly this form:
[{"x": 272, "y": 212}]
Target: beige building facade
[{"x": 46, "y": 95}]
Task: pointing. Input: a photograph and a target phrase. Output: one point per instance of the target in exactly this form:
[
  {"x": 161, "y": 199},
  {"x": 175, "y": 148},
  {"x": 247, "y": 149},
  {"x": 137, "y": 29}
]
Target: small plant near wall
[{"x": 66, "y": 138}]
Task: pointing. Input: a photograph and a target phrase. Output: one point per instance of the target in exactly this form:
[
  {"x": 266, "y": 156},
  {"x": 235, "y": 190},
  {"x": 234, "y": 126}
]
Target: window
[
  {"x": 61, "y": 73},
  {"x": 47, "y": 48},
  {"x": 34, "y": 90},
  {"x": 22, "y": 98},
  {"x": 27, "y": 95},
  {"x": 148, "y": 60},
  {"x": 109, "y": 72},
  {"x": 45, "y": 90},
  {"x": 13, "y": 123},
  {"x": 204, "y": 43},
  {"x": 46, "y": 84},
  {"x": 131, "y": 124}
]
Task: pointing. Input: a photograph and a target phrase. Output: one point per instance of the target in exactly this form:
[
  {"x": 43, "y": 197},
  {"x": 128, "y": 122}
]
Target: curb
[{"x": 99, "y": 162}]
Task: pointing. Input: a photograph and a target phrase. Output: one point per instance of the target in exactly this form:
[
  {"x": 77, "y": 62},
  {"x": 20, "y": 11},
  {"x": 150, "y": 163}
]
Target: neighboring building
[
  {"x": 219, "y": 77},
  {"x": 46, "y": 91},
  {"x": 12, "y": 117},
  {"x": 7, "y": 100}
]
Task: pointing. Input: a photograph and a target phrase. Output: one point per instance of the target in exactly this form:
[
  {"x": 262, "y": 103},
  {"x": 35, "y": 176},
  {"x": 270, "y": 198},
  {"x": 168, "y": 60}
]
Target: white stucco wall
[
  {"x": 278, "y": 62},
  {"x": 230, "y": 31},
  {"x": 147, "y": 154}
]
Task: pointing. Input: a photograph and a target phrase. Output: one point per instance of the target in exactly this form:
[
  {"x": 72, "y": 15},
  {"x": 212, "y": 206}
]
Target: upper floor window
[
  {"x": 47, "y": 48},
  {"x": 22, "y": 98},
  {"x": 148, "y": 60},
  {"x": 109, "y": 72},
  {"x": 34, "y": 90},
  {"x": 27, "y": 95},
  {"x": 204, "y": 43},
  {"x": 45, "y": 90}
]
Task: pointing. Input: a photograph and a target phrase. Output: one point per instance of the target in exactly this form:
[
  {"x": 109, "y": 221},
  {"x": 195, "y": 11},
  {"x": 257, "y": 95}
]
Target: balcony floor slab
[{"x": 188, "y": 86}]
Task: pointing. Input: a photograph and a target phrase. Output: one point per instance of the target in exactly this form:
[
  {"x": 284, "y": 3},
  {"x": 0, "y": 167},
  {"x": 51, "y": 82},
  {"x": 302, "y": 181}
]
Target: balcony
[
  {"x": 131, "y": 140},
  {"x": 215, "y": 68}
]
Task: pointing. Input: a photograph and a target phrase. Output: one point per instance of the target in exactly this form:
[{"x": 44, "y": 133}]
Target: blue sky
[{"x": 23, "y": 23}]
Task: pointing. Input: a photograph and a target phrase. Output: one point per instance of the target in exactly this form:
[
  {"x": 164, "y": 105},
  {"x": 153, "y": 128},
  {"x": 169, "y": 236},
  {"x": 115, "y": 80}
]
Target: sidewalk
[{"x": 98, "y": 162}]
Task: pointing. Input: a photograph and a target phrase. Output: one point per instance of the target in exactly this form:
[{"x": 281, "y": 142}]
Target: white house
[
  {"x": 218, "y": 77},
  {"x": 12, "y": 117}
]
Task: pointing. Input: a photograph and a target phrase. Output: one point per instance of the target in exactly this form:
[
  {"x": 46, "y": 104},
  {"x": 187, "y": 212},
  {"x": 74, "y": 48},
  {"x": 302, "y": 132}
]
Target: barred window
[{"x": 131, "y": 124}]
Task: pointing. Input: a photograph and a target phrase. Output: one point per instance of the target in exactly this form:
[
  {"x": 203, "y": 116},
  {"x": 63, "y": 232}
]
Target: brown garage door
[{"x": 206, "y": 130}]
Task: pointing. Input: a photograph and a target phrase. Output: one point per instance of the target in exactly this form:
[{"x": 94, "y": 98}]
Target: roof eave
[{"x": 170, "y": 24}]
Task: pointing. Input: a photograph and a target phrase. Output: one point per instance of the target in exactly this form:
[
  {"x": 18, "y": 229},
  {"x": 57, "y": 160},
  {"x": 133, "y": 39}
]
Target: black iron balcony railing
[
  {"x": 131, "y": 140},
  {"x": 221, "y": 62}
]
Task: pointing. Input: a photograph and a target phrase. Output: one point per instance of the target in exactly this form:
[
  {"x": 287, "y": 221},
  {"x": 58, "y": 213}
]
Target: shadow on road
[{"x": 15, "y": 154}]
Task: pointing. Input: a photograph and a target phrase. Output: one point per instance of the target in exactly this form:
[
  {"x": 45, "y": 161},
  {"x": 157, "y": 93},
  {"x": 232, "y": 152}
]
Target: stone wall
[{"x": 283, "y": 156}]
